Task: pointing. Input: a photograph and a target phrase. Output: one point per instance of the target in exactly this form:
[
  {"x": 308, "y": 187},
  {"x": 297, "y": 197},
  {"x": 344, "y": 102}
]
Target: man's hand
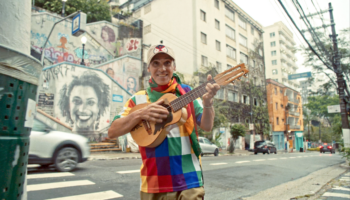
[
  {"x": 212, "y": 89},
  {"x": 154, "y": 112}
]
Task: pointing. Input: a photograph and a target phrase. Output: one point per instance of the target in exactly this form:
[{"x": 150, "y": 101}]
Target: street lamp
[
  {"x": 83, "y": 40},
  {"x": 64, "y": 4}
]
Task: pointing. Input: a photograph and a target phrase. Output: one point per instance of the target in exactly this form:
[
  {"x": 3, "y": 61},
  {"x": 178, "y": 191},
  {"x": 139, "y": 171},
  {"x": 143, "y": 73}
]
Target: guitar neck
[{"x": 187, "y": 98}]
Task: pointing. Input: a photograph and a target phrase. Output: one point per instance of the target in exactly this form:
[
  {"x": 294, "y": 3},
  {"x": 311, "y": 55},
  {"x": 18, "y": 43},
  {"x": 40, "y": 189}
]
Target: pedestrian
[{"x": 171, "y": 170}]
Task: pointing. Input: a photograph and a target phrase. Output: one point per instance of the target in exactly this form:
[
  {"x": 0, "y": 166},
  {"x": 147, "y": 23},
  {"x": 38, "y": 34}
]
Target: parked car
[
  {"x": 63, "y": 150},
  {"x": 208, "y": 147},
  {"x": 264, "y": 146},
  {"x": 326, "y": 148}
]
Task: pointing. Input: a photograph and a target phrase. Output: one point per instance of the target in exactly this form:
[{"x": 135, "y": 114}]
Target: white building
[{"x": 279, "y": 54}]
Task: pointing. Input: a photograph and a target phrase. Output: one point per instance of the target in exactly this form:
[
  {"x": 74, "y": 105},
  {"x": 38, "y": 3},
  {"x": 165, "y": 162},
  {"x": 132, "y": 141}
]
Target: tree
[
  {"x": 307, "y": 117},
  {"x": 327, "y": 53},
  {"x": 236, "y": 130},
  {"x": 318, "y": 106},
  {"x": 96, "y": 10}
]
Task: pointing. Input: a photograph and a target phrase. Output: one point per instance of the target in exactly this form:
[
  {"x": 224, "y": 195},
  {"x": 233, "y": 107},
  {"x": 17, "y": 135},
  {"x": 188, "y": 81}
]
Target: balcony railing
[
  {"x": 294, "y": 126},
  {"x": 294, "y": 113},
  {"x": 293, "y": 99}
]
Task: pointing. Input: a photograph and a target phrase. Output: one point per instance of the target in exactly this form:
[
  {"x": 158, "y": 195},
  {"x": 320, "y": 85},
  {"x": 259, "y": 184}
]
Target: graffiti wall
[
  {"x": 126, "y": 71},
  {"x": 62, "y": 46},
  {"x": 82, "y": 98}
]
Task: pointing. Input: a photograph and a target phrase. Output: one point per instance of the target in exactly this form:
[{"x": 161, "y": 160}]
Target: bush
[{"x": 314, "y": 149}]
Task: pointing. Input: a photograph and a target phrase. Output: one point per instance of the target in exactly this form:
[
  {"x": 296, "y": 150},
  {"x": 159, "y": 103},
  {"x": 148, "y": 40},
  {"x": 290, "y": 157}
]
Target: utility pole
[{"x": 340, "y": 81}]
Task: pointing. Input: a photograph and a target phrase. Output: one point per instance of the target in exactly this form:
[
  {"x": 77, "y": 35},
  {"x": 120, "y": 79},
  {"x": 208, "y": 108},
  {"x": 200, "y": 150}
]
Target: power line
[{"x": 321, "y": 15}]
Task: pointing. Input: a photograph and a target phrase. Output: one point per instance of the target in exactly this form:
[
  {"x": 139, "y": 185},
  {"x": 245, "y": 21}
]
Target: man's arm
[
  {"x": 208, "y": 115},
  {"x": 154, "y": 112}
]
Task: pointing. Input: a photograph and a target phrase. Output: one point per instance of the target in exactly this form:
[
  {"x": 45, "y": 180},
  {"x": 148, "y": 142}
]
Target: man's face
[
  {"x": 162, "y": 68},
  {"x": 83, "y": 107}
]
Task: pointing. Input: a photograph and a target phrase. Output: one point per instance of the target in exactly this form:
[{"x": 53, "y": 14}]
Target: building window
[
  {"x": 281, "y": 105},
  {"x": 254, "y": 80},
  {"x": 245, "y": 99},
  {"x": 273, "y": 44},
  {"x": 275, "y": 80},
  {"x": 220, "y": 94},
  {"x": 242, "y": 23},
  {"x": 204, "y": 38},
  {"x": 218, "y": 66},
  {"x": 277, "y": 121},
  {"x": 242, "y": 40},
  {"x": 274, "y": 62},
  {"x": 275, "y": 89},
  {"x": 147, "y": 29},
  {"x": 216, "y": 4},
  {"x": 230, "y": 32},
  {"x": 230, "y": 52},
  {"x": 272, "y": 34},
  {"x": 273, "y": 53},
  {"x": 281, "y": 91},
  {"x": 203, "y": 16},
  {"x": 252, "y": 30},
  {"x": 255, "y": 102},
  {"x": 229, "y": 66},
  {"x": 147, "y": 9},
  {"x": 232, "y": 96},
  {"x": 276, "y": 106},
  {"x": 230, "y": 14},
  {"x": 217, "y": 24},
  {"x": 218, "y": 45},
  {"x": 282, "y": 120},
  {"x": 243, "y": 58},
  {"x": 274, "y": 71},
  {"x": 204, "y": 61}
]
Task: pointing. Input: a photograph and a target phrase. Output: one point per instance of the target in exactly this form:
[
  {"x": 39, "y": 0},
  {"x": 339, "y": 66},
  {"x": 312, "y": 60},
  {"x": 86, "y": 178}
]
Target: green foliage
[
  {"x": 215, "y": 140},
  {"x": 238, "y": 130},
  {"x": 318, "y": 106},
  {"x": 314, "y": 149},
  {"x": 95, "y": 10}
]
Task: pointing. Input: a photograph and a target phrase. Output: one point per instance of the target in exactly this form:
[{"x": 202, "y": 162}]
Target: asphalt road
[{"x": 225, "y": 177}]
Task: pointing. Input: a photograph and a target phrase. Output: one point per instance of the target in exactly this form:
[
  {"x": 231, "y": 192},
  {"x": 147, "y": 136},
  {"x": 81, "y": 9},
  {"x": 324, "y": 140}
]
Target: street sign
[
  {"x": 334, "y": 109},
  {"x": 79, "y": 24},
  {"x": 301, "y": 75},
  {"x": 251, "y": 127}
]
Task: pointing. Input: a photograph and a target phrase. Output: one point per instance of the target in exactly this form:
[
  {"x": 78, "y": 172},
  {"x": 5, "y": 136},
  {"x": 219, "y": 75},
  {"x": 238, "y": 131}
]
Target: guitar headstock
[{"x": 231, "y": 75}]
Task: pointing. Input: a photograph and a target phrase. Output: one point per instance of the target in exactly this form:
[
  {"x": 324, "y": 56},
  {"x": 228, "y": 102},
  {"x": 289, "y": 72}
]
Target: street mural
[
  {"x": 79, "y": 97},
  {"x": 126, "y": 71},
  {"x": 62, "y": 45}
]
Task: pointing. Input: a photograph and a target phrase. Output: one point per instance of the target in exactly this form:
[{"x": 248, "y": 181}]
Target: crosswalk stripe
[
  {"x": 218, "y": 163},
  {"x": 345, "y": 179},
  {"x": 283, "y": 158},
  {"x": 128, "y": 171},
  {"x": 242, "y": 161},
  {"x": 259, "y": 160},
  {"x": 32, "y": 165},
  {"x": 49, "y": 175},
  {"x": 46, "y": 186},
  {"x": 341, "y": 188},
  {"x": 291, "y": 157},
  {"x": 92, "y": 196},
  {"x": 332, "y": 194},
  {"x": 306, "y": 156},
  {"x": 272, "y": 159}
]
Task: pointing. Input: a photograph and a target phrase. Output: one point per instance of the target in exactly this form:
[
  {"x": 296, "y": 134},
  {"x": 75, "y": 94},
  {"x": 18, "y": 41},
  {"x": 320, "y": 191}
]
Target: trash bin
[{"x": 301, "y": 149}]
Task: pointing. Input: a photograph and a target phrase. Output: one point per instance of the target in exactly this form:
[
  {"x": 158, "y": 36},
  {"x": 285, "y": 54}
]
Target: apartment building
[
  {"x": 202, "y": 33},
  {"x": 280, "y": 54},
  {"x": 286, "y": 115}
]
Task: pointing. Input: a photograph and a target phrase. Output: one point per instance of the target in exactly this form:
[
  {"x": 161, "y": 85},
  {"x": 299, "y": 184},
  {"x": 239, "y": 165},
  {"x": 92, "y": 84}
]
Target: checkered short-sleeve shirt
[{"x": 172, "y": 166}]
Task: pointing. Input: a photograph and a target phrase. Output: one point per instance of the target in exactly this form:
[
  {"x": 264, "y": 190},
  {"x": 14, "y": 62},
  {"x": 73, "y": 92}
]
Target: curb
[{"x": 116, "y": 158}]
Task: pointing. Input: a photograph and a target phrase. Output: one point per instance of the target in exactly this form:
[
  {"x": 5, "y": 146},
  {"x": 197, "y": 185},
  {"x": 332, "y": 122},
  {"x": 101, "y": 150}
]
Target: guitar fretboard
[{"x": 182, "y": 101}]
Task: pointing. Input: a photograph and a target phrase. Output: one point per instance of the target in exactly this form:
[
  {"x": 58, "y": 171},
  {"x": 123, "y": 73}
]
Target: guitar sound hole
[{"x": 159, "y": 126}]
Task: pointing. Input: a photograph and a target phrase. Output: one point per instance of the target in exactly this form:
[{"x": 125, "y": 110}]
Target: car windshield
[
  {"x": 258, "y": 143},
  {"x": 39, "y": 126}
]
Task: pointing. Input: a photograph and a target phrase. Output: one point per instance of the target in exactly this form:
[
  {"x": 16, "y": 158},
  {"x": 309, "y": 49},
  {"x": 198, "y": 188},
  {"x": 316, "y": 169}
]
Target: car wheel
[
  {"x": 268, "y": 151},
  {"x": 255, "y": 152},
  {"x": 275, "y": 151},
  {"x": 202, "y": 154},
  {"x": 66, "y": 159},
  {"x": 264, "y": 153},
  {"x": 216, "y": 152}
]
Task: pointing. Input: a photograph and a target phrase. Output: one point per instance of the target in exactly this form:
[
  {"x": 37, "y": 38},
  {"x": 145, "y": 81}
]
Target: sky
[{"x": 267, "y": 12}]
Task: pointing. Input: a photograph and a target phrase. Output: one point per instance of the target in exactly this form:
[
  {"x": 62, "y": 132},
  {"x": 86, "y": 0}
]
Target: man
[{"x": 172, "y": 169}]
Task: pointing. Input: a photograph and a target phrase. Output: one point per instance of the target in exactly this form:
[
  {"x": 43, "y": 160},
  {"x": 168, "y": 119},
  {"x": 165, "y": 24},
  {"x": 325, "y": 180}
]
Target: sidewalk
[{"x": 123, "y": 155}]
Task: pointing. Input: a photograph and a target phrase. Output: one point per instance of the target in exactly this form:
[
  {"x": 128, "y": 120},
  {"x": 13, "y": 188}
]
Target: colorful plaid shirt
[{"x": 172, "y": 166}]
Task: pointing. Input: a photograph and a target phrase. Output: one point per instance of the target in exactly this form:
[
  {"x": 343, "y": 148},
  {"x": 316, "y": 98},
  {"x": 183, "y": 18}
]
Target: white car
[
  {"x": 64, "y": 150},
  {"x": 208, "y": 147}
]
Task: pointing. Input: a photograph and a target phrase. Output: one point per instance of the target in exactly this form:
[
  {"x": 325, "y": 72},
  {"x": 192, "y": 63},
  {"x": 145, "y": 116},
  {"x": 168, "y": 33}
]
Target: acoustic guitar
[{"x": 150, "y": 134}]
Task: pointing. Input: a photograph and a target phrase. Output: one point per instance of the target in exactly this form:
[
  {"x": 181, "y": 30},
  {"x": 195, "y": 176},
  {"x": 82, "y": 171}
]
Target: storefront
[
  {"x": 278, "y": 140},
  {"x": 299, "y": 138}
]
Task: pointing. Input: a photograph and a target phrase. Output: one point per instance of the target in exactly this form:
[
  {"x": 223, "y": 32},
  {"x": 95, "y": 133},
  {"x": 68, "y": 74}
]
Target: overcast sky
[{"x": 267, "y": 12}]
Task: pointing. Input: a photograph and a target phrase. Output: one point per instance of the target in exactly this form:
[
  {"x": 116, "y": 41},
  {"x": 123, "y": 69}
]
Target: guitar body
[{"x": 148, "y": 134}]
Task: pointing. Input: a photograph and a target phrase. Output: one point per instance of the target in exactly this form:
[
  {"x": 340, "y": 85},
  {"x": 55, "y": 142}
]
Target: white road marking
[
  {"x": 46, "y": 186},
  {"x": 242, "y": 161},
  {"x": 299, "y": 156},
  {"x": 345, "y": 179},
  {"x": 218, "y": 164},
  {"x": 49, "y": 175},
  {"x": 33, "y": 165},
  {"x": 283, "y": 158},
  {"x": 306, "y": 156},
  {"x": 291, "y": 157},
  {"x": 272, "y": 159},
  {"x": 341, "y": 188},
  {"x": 110, "y": 194},
  {"x": 259, "y": 160},
  {"x": 128, "y": 171},
  {"x": 331, "y": 194}
]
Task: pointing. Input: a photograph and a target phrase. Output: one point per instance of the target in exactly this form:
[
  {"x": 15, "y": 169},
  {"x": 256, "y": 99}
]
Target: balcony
[
  {"x": 294, "y": 126},
  {"x": 294, "y": 113},
  {"x": 294, "y": 100}
]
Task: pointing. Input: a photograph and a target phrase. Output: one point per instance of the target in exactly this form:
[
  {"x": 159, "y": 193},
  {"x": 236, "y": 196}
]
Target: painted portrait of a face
[
  {"x": 110, "y": 72},
  {"x": 84, "y": 100},
  {"x": 131, "y": 85}
]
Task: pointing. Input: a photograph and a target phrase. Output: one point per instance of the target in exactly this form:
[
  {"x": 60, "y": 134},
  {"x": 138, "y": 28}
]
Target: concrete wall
[{"x": 85, "y": 99}]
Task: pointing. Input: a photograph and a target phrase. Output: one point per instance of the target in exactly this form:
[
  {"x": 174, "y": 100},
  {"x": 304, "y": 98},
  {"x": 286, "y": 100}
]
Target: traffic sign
[
  {"x": 79, "y": 24},
  {"x": 301, "y": 75},
  {"x": 334, "y": 109}
]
